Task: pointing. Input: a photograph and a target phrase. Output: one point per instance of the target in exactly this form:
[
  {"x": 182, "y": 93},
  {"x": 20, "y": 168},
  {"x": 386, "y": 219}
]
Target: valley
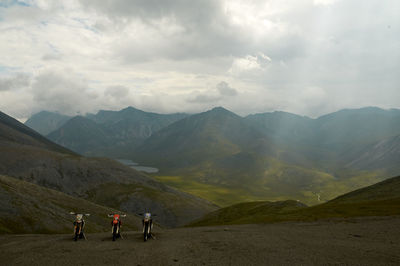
[
  {"x": 204, "y": 161},
  {"x": 226, "y": 159}
]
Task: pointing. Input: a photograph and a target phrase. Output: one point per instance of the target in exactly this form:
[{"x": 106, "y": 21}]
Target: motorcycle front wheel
[
  {"x": 114, "y": 236},
  {"x": 146, "y": 227}
]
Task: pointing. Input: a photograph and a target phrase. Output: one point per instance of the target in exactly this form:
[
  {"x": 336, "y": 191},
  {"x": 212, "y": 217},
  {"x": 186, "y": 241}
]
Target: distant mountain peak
[
  {"x": 45, "y": 122},
  {"x": 220, "y": 111},
  {"x": 131, "y": 109},
  {"x": 43, "y": 112},
  {"x": 355, "y": 111}
]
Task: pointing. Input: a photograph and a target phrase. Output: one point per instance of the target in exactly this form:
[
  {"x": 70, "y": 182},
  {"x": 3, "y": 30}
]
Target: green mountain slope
[
  {"x": 351, "y": 129},
  {"x": 248, "y": 212},
  {"x": 283, "y": 126},
  {"x": 381, "y": 199},
  {"x": 217, "y": 155},
  {"x": 386, "y": 190},
  {"x": 196, "y": 139},
  {"x": 331, "y": 140},
  {"x": 384, "y": 155},
  {"x": 29, "y": 208}
]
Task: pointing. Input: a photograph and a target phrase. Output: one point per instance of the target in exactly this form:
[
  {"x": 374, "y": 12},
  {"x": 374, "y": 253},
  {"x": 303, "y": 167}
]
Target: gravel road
[{"x": 360, "y": 241}]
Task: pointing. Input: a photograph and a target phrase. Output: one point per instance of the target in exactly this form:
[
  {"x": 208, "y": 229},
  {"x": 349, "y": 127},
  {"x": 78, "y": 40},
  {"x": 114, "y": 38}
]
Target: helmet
[
  {"x": 79, "y": 217},
  {"x": 116, "y": 216},
  {"x": 147, "y": 215}
]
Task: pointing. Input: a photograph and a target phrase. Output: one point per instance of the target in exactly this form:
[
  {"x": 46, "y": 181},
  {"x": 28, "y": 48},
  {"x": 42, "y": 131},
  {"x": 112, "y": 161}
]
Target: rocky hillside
[
  {"x": 29, "y": 208},
  {"x": 13, "y": 133}
]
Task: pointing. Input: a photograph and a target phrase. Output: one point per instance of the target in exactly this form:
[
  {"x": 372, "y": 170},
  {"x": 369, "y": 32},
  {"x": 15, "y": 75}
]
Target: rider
[
  {"x": 116, "y": 221},
  {"x": 147, "y": 218},
  {"x": 80, "y": 223}
]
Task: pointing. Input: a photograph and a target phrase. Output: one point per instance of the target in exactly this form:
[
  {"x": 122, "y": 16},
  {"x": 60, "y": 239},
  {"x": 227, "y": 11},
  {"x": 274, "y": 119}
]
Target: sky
[{"x": 308, "y": 57}]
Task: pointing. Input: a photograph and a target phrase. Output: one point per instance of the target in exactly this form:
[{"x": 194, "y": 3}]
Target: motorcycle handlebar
[
  {"x": 74, "y": 213},
  {"x": 112, "y": 215}
]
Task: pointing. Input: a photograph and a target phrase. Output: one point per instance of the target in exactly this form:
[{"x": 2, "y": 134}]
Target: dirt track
[{"x": 372, "y": 241}]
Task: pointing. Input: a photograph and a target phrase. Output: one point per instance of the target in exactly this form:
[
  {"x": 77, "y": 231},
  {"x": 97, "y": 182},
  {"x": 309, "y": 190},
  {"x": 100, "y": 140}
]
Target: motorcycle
[
  {"x": 79, "y": 225},
  {"x": 147, "y": 226},
  {"x": 116, "y": 225}
]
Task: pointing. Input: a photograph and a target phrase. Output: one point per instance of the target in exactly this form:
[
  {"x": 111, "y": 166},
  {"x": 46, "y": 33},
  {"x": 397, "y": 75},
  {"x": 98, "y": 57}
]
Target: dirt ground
[{"x": 360, "y": 241}]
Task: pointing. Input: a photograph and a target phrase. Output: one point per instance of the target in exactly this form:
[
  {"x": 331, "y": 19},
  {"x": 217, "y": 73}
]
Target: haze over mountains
[
  {"x": 45, "y": 122},
  {"x": 28, "y": 156},
  {"x": 226, "y": 158}
]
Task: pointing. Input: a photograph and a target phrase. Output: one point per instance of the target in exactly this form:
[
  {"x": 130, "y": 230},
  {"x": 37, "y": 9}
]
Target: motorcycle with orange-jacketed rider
[
  {"x": 79, "y": 225},
  {"x": 116, "y": 225}
]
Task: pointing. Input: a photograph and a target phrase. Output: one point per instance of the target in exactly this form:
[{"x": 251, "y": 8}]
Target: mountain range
[
  {"x": 226, "y": 158},
  {"x": 107, "y": 133}
]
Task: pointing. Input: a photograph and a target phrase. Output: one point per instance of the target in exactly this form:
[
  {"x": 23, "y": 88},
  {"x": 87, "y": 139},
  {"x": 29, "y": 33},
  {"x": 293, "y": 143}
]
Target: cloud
[
  {"x": 222, "y": 91},
  {"x": 204, "y": 98},
  {"x": 324, "y": 2},
  {"x": 153, "y": 10},
  {"x": 17, "y": 81},
  {"x": 174, "y": 55},
  {"x": 51, "y": 56},
  {"x": 62, "y": 92},
  {"x": 9, "y": 3},
  {"x": 249, "y": 63},
  {"x": 181, "y": 30},
  {"x": 225, "y": 90},
  {"x": 117, "y": 92}
]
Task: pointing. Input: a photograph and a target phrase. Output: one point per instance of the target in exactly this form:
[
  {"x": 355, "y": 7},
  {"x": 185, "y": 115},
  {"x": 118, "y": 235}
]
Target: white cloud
[
  {"x": 18, "y": 81},
  {"x": 324, "y": 2},
  {"x": 116, "y": 92},
  {"x": 249, "y": 63},
  {"x": 226, "y": 90},
  {"x": 215, "y": 95},
  {"x": 63, "y": 92}
]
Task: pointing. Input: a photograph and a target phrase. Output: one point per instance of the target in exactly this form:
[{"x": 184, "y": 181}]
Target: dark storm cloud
[
  {"x": 179, "y": 30},
  {"x": 196, "y": 11}
]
